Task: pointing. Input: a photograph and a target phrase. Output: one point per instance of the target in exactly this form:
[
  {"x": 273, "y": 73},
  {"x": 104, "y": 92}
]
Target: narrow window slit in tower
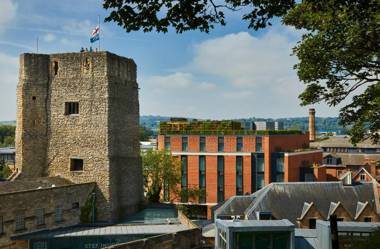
[{"x": 55, "y": 67}]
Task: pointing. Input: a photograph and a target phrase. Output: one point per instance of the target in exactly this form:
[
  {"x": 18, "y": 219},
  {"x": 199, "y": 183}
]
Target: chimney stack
[{"x": 312, "y": 124}]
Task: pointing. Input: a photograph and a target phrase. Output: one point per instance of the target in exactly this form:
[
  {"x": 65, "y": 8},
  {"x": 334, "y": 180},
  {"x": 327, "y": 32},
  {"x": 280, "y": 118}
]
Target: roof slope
[{"x": 286, "y": 200}]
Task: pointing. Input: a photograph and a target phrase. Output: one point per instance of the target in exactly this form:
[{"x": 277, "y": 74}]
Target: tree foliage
[
  {"x": 161, "y": 170},
  {"x": 144, "y": 133},
  {"x": 185, "y": 15},
  {"x": 7, "y": 135},
  {"x": 339, "y": 57},
  {"x": 5, "y": 171},
  {"x": 338, "y": 53}
]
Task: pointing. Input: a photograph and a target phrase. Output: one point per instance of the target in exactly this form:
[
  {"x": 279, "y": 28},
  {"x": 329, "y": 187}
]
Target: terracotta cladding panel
[
  {"x": 249, "y": 143},
  {"x": 193, "y": 171},
  {"x": 229, "y": 143},
  {"x": 293, "y": 164},
  {"x": 288, "y": 142},
  {"x": 229, "y": 176},
  {"x": 176, "y": 143},
  {"x": 193, "y": 145},
  {"x": 161, "y": 142},
  {"x": 211, "y": 179},
  {"x": 247, "y": 174},
  {"x": 266, "y": 150},
  {"x": 211, "y": 143}
]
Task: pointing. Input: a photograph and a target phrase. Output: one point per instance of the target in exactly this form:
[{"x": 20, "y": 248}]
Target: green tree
[
  {"x": 338, "y": 53},
  {"x": 339, "y": 57},
  {"x": 7, "y": 135},
  {"x": 5, "y": 171},
  {"x": 144, "y": 133},
  {"x": 160, "y": 168}
]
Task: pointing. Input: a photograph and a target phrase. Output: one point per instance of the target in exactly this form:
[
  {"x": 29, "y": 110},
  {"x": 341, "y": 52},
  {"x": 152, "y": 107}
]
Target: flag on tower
[{"x": 95, "y": 35}]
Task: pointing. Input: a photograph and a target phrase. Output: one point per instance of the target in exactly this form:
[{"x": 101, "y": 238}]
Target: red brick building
[{"x": 228, "y": 165}]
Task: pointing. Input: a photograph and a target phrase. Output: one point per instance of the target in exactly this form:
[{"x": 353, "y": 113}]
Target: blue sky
[{"x": 230, "y": 73}]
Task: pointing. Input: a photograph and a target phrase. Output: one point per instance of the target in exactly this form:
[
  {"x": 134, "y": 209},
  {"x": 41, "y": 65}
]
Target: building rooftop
[
  {"x": 32, "y": 184},
  {"x": 342, "y": 141},
  {"x": 82, "y": 231},
  {"x": 257, "y": 225},
  {"x": 273, "y": 197},
  {"x": 7, "y": 150},
  {"x": 215, "y": 127}
]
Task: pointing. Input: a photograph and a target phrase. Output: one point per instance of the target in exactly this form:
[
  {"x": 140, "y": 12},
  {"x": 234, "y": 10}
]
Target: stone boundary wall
[{"x": 187, "y": 239}]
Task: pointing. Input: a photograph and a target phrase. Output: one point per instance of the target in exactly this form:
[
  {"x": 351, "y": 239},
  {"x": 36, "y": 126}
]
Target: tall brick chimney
[{"x": 312, "y": 124}]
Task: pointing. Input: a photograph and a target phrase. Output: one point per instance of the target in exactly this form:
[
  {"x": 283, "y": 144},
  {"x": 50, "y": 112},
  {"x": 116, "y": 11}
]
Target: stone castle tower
[{"x": 78, "y": 118}]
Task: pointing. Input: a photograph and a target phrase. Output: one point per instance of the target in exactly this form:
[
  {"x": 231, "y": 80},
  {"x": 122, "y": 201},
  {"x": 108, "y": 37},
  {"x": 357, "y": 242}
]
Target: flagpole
[{"x": 99, "y": 32}]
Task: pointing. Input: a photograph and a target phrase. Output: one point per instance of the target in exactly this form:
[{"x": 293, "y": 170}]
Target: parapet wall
[{"x": 188, "y": 239}]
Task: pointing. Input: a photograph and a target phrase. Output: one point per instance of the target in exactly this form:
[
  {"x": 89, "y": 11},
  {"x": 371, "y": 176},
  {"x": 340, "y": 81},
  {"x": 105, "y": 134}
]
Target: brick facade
[{"x": 293, "y": 161}]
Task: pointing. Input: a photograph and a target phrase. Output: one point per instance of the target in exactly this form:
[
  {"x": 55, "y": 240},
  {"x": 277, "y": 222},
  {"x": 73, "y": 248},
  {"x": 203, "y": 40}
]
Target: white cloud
[
  {"x": 254, "y": 75},
  {"x": 49, "y": 37},
  {"x": 178, "y": 80},
  {"x": 7, "y": 13},
  {"x": 8, "y": 82},
  {"x": 245, "y": 60}
]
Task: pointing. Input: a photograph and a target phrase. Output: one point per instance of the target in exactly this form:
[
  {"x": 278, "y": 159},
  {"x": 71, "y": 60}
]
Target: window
[
  {"x": 55, "y": 67},
  {"x": 259, "y": 146},
  {"x": 239, "y": 175},
  {"x": 1, "y": 225},
  {"x": 220, "y": 144},
  {"x": 71, "y": 108},
  {"x": 184, "y": 177},
  {"x": 265, "y": 215},
  {"x": 184, "y": 143},
  {"x": 75, "y": 205},
  {"x": 280, "y": 169},
  {"x": 340, "y": 219},
  {"x": 362, "y": 177},
  {"x": 20, "y": 222},
  {"x": 202, "y": 176},
  {"x": 202, "y": 144},
  {"x": 366, "y": 219},
  {"x": 76, "y": 164},
  {"x": 260, "y": 182},
  {"x": 220, "y": 178},
  {"x": 312, "y": 223},
  {"x": 40, "y": 216},
  {"x": 257, "y": 177},
  {"x": 167, "y": 143},
  {"x": 239, "y": 144},
  {"x": 58, "y": 214}
]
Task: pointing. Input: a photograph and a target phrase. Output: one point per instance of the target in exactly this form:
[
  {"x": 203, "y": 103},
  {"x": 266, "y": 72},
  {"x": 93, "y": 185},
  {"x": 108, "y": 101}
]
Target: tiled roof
[{"x": 286, "y": 200}]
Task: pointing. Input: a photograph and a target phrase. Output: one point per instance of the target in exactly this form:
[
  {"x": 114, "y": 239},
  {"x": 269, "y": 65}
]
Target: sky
[{"x": 232, "y": 72}]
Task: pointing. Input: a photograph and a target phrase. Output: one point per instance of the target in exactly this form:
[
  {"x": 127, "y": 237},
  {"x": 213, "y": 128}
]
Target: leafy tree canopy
[
  {"x": 7, "y": 135},
  {"x": 338, "y": 53}
]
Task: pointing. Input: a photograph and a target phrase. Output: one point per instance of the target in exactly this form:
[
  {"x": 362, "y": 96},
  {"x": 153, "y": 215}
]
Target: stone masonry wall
[
  {"x": 104, "y": 134},
  {"x": 27, "y": 202},
  {"x": 31, "y": 128}
]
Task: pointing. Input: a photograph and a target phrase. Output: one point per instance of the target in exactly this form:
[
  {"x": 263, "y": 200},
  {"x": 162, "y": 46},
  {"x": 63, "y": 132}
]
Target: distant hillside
[{"x": 12, "y": 122}]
